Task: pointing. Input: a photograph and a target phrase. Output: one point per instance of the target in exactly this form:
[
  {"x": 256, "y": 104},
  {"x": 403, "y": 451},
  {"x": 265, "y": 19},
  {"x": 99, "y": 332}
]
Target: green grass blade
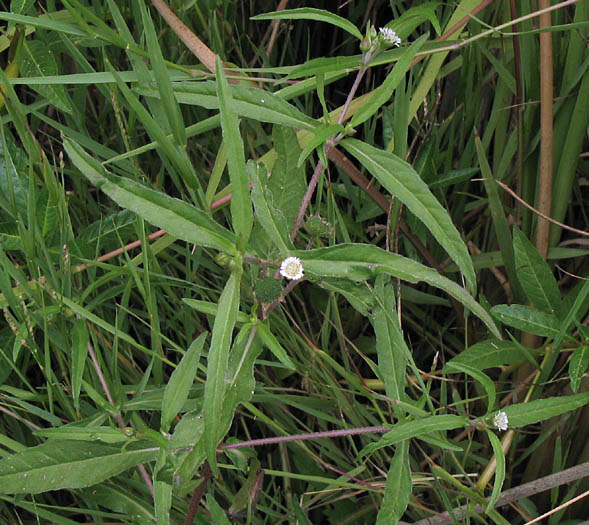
[
  {"x": 482, "y": 378},
  {"x": 499, "y": 221},
  {"x": 162, "y": 78},
  {"x": 390, "y": 345},
  {"x": 79, "y": 355}
]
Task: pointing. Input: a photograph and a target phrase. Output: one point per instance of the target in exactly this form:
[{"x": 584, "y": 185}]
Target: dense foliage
[{"x": 164, "y": 186}]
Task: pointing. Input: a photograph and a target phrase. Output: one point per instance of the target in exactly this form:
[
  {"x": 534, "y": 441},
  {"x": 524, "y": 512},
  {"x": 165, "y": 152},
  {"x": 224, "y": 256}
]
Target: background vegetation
[{"x": 143, "y": 337}]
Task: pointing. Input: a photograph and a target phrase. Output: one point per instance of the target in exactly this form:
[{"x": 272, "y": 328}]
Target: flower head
[
  {"x": 389, "y": 36},
  {"x": 500, "y": 421},
  {"x": 291, "y": 268}
]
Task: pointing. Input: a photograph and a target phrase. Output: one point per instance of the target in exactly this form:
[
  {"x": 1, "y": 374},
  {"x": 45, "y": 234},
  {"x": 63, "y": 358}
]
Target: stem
[
  {"x": 331, "y": 142},
  {"x": 546, "y": 125},
  {"x": 303, "y": 437},
  {"x": 118, "y": 417},
  {"x": 511, "y": 495},
  {"x": 197, "y": 494}
]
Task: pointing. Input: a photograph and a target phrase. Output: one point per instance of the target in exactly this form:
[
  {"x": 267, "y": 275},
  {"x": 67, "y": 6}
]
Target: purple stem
[
  {"x": 118, "y": 417},
  {"x": 303, "y": 437},
  {"x": 328, "y": 145}
]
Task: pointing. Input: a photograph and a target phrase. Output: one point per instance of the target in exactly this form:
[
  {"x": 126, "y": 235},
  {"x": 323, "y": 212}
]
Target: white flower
[
  {"x": 291, "y": 268},
  {"x": 500, "y": 421},
  {"x": 389, "y": 36}
]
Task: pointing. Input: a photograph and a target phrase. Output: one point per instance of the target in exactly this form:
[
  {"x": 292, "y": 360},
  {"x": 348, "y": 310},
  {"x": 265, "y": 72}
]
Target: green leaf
[
  {"x": 274, "y": 346},
  {"x": 178, "y": 218},
  {"x": 80, "y": 342},
  {"x": 162, "y": 78},
  {"x": 415, "y": 429},
  {"x": 500, "y": 223},
  {"x": 383, "y": 93},
  {"x": 488, "y": 354},
  {"x": 499, "y": 470},
  {"x": 288, "y": 182},
  {"x": 359, "y": 262},
  {"x": 247, "y": 493},
  {"x": 575, "y": 305},
  {"x": 211, "y": 309},
  {"x": 68, "y": 465},
  {"x": 239, "y": 379},
  {"x": 168, "y": 150},
  {"x": 217, "y": 364},
  {"x": 180, "y": 382},
  {"x": 397, "y": 492},
  {"x": 390, "y": 345},
  {"x": 452, "y": 177},
  {"x": 91, "y": 433},
  {"x": 533, "y": 412},
  {"x": 272, "y": 220},
  {"x": 219, "y": 517},
  {"x": 241, "y": 203},
  {"x": 527, "y": 319},
  {"x": 535, "y": 275},
  {"x": 403, "y": 182},
  {"x": 578, "y": 366},
  {"x": 187, "y": 432},
  {"x": 248, "y": 102},
  {"x": 415, "y": 16},
  {"x": 320, "y": 135},
  {"x": 360, "y": 297},
  {"x": 322, "y": 65},
  {"x": 37, "y": 60},
  {"x": 309, "y": 13},
  {"x": 482, "y": 378},
  {"x": 46, "y": 215},
  {"x": 162, "y": 495}
]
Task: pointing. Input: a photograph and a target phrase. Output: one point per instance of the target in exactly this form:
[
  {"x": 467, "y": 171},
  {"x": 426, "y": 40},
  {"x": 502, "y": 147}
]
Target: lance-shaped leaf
[
  {"x": 390, "y": 345},
  {"x": 397, "y": 492},
  {"x": 241, "y": 204},
  {"x": 176, "y": 392},
  {"x": 271, "y": 220},
  {"x": 248, "y": 102},
  {"x": 415, "y": 429},
  {"x": 527, "y": 319},
  {"x": 309, "y": 13},
  {"x": 402, "y": 181},
  {"x": 68, "y": 465},
  {"x": 533, "y": 412},
  {"x": 535, "y": 275},
  {"x": 178, "y": 218},
  {"x": 359, "y": 262},
  {"x": 217, "y": 364}
]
